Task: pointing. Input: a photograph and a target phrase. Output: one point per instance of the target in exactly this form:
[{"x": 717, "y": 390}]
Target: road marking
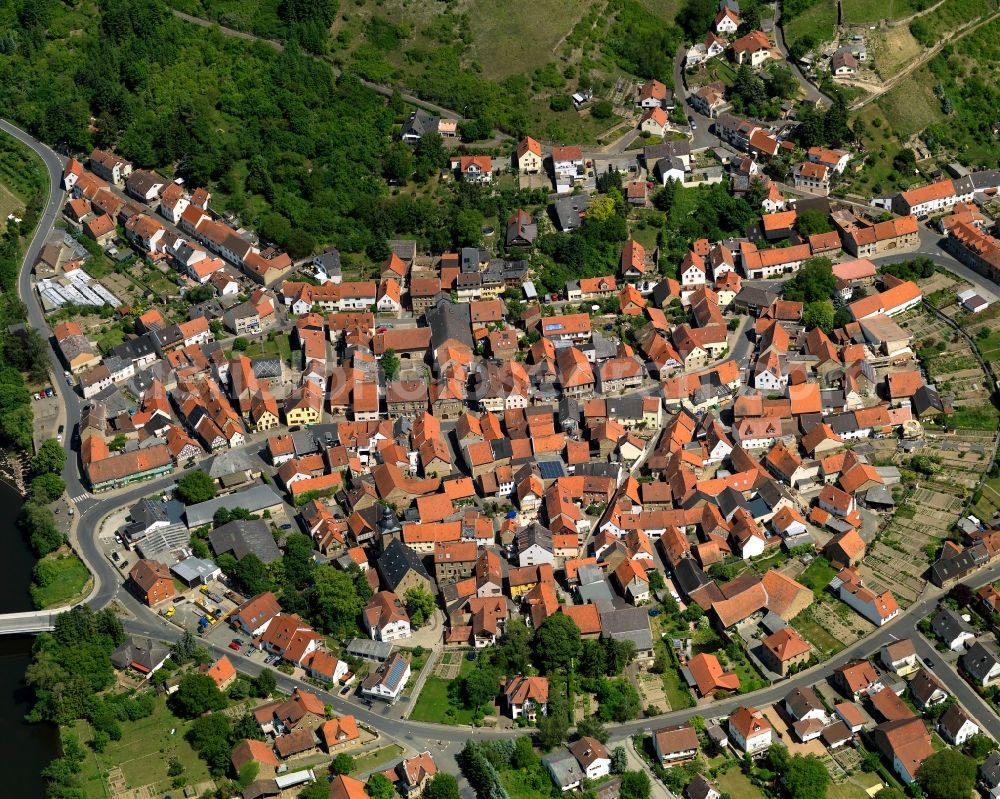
[{"x": 78, "y": 499}]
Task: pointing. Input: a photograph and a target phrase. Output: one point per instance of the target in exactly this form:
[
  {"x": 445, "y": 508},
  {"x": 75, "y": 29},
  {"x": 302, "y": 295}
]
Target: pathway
[{"x": 951, "y": 38}]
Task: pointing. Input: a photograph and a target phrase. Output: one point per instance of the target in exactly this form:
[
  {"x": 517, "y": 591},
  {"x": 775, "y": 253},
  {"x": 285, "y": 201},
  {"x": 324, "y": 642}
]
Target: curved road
[{"x": 145, "y": 622}]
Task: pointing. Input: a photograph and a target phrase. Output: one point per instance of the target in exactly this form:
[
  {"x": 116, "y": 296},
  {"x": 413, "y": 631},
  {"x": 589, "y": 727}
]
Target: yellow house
[
  {"x": 529, "y": 156},
  {"x": 522, "y": 580},
  {"x": 304, "y": 405}
]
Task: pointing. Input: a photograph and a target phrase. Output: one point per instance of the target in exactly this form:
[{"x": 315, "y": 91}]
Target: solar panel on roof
[
  {"x": 550, "y": 470},
  {"x": 396, "y": 672}
]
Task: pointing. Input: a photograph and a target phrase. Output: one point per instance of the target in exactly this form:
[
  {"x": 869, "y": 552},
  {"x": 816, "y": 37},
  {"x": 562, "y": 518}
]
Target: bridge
[{"x": 37, "y": 621}]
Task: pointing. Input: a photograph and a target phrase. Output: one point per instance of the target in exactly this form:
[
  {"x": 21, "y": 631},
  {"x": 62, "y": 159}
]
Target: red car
[{"x": 234, "y": 646}]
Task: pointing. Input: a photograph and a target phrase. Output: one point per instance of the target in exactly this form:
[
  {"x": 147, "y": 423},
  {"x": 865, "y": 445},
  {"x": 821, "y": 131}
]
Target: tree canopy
[
  {"x": 947, "y": 774},
  {"x": 557, "y": 642},
  {"x": 195, "y": 487}
]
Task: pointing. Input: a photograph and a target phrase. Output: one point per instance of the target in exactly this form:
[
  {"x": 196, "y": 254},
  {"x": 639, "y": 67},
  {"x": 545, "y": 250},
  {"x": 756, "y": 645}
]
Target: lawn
[
  {"x": 9, "y": 204},
  {"x": 818, "y": 575},
  {"x": 863, "y": 12},
  {"x": 674, "y": 687},
  {"x": 21, "y": 171},
  {"x": 506, "y": 44},
  {"x": 143, "y": 754},
  {"x": 987, "y": 500},
  {"x": 735, "y": 783},
  {"x": 817, "y": 20},
  {"x": 975, "y": 417},
  {"x": 369, "y": 761},
  {"x": 816, "y": 634},
  {"x": 435, "y": 702},
  {"x": 109, "y": 337},
  {"x": 911, "y": 106},
  {"x": 65, "y": 578}
]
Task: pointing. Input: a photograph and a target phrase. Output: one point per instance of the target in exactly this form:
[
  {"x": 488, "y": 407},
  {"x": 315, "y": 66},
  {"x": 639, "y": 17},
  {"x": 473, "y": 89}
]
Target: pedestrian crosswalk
[{"x": 80, "y": 498}]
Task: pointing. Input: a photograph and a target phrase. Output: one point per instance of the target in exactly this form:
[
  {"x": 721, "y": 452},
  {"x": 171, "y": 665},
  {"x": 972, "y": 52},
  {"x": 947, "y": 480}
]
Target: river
[{"x": 22, "y": 762}]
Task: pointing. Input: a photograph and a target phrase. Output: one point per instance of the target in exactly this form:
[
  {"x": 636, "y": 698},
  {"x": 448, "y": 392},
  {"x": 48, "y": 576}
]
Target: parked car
[
  {"x": 234, "y": 646},
  {"x": 345, "y": 690},
  {"x": 36, "y": 396},
  {"x": 62, "y": 428},
  {"x": 49, "y": 392},
  {"x": 286, "y": 527},
  {"x": 115, "y": 556}
]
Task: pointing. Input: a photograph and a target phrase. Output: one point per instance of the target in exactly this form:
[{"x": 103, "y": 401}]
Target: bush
[{"x": 561, "y": 102}]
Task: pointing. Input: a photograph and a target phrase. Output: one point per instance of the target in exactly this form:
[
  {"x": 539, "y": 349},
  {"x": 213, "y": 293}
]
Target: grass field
[
  {"x": 9, "y": 204},
  {"x": 817, "y": 575},
  {"x": 911, "y": 106},
  {"x": 982, "y": 417},
  {"x": 816, "y": 634},
  {"x": 818, "y": 20},
  {"x": 506, "y": 43},
  {"x": 894, "y": 48},
  {"x": 143, "y": 754},
  {"x": 383, "y": 756},
  {"x": 435, "y": 703},
  {"x": 735, "y": 783},
  {"x": 863, "y": 12},
  {"x": 21, "y": 171},
  {"x": 66, "y": 578},
  {"x": 664, "y": 9}
]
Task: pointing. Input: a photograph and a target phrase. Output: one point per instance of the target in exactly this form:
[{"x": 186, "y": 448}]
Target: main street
[{"x": 143, "y": 621}]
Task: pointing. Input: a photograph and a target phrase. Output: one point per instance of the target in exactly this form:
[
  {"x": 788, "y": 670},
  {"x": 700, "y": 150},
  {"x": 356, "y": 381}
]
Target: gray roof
[
  {"x": 366, "y": 648},
  {"x": 244, "y": 537},
  {"x": 628, "y": 624},
  {"x": 397, "y": 560},
  {"x": 598, "y": 593},
  {"x": 136, "y": 348},
  {"x": 329, "y": 261},
  {"x": 534, "y": 534},
  {"x": 753, "y": 296},
  {"x": 418, "y": 123},
  {"x": 145, "y": 652},
  {"x": 979, "y": 660},
  {"x": 802, "y": 700},
  {"x": 986, "y": 179},
  {"x": 990, "y": 770},
  {"x": 449, "y": 321},
  {"x": 564, "y": 769},
  {"x": 147, "y": 512},
  {"x": 193, "y": 570},
  {"x": 254, "y": 499},
  {"x": 233, "y": 460},
  {"x": 568, "y": 208},
  {"x": 266, "y": 368}
]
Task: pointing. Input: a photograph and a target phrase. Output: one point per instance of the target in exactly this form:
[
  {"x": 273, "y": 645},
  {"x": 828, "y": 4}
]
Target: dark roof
[
  {"x": 398, "y": 560},
  {"x": 926, "y": 399},
  {"x": 142, "y": 652},
  {"x": 243, "y": 537},
  {"x": 690, "y": 576},
  {"x": 751, "y": 296},
  {"x": 979, "y": 660},
  {"x": 147, "y": 512},
  {"x": 946, "y": 569},
  {"x": 568, "y": 208},
  {"x": 136, "y": 348},
  {"x": 990, "y": 770},
  {"x": 450, "y": 321}
]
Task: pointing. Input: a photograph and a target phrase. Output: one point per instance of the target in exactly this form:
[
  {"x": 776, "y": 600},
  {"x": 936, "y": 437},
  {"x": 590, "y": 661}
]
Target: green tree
[
  {"x": 195, "y": 487},
  {"x": 183, "y": 650},
  {"x": 315, "y": 790},
  {"x": 47, "y": 487},
  {"x": 619, "y": 760},
  {"x": 430, "y": 156},
  {"x": 524, "y": 757},
  {"x": 442, "y": 786},
  {"x": 811, "y": 221},
  {"x": 978, "y": 746},
  {"x": 819, "y": 314},
  {"x": 814, "y": 281},
  {"x": 342, "y": 764},
  {"x": 553, "y": 726},
  {"x": 253, "y": 575},
  {"x": 390, "y": 364},
  {"x": 602, "y": 109},
  {"x": 467, "y": 229},
  {"x": 398, "y": 164},
  {"x": 804, "y": 778},
  {"x": 264, "y": 683},
  {"x": 241, "y": 343},
  {"x": 50, "y": 458},
  {"x": 479, "y": 687},
  {"x": 947, "y": 774},
  {"x": 557, "y": 642},
  {"x": 337, "y": 601},
  {"x": 419, "y": 604},
  {"x": 635, "y": 785},
  {"x": 197, "y": 694},
  {"x": 592, "y": 727},
  {"x": 379, "y": 787},
  {"x": 695, "y": 17},
  {"x": 209, "y": 737}
]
